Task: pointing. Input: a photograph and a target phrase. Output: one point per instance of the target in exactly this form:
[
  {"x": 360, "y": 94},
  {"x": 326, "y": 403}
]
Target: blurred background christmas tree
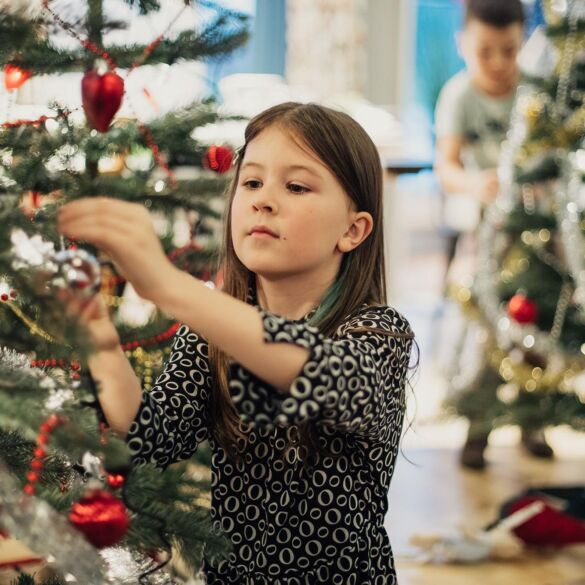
[
  {"x": 526, "y": 308},
  {"x": 114, "y": 130}
]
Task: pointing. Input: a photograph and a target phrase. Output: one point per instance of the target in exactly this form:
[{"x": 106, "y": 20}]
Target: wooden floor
[{"x": 431, "y": 495}]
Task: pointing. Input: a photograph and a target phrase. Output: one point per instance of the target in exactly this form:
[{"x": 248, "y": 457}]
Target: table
[{"x": 394, "y": 167}]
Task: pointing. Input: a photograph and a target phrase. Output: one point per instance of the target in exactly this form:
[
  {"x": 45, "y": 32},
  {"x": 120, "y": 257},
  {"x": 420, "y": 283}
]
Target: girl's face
[{"x": 289, "y": 211}]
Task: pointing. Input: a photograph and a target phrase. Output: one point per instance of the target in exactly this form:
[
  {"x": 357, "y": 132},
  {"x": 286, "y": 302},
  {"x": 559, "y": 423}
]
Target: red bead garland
[
  {"x": 89, "y": 45},
  {"x": 177, "y": 252},
  {"x": 39, "y": 454},
  {"x": 99, "y": 52},
  {"x": 152, "y": 340},
  {"x": 148, "y": 138},
  {"x": 55, "y": 363},
  {"x": 36, "y": 123}
]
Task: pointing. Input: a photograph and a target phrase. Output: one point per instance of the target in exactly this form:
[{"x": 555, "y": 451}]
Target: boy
[{"x": 472, "y": 119}]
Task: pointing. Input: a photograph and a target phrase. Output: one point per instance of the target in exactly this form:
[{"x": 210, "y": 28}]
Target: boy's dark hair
[{"x": 498, "y": 13}]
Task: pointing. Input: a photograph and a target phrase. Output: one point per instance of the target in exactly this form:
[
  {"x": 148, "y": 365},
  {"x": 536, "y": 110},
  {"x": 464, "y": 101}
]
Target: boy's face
[{"x": 490, "y": 54}]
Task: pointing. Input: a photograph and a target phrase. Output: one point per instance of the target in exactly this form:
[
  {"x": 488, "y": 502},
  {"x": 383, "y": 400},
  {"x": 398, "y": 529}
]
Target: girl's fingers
[
  {"x": 98, "y": 207},
  {"x": 94, "y": 309},
  {"x": 74, "y": 306},
  {"x": 101, "y": 231}
]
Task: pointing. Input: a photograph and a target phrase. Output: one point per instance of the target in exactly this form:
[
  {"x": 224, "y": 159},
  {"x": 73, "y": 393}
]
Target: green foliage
[
  {"x": 167, "y": 513},
  {"x": 539, "y": 168},
  {"x": 530, "y": 410},
  {"x": 30, "y": 580},
  {"x": 27, "y": 45},
  {"x": 62, "y": 160}
]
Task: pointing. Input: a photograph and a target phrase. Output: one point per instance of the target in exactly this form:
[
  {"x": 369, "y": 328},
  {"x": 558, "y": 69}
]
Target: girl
[{"x": 295, "y": 373}]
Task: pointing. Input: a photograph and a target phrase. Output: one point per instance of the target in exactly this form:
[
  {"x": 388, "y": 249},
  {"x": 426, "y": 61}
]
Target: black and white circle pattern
[{"x": 291, "y": 523}]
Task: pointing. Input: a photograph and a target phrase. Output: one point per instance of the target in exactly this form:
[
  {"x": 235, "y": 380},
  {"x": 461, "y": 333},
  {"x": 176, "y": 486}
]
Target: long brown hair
[{"x": 345, "y": 148}]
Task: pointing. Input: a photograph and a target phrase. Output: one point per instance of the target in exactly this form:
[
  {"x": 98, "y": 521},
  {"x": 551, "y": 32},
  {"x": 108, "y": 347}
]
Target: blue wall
[{"x": 265, "y": 51}]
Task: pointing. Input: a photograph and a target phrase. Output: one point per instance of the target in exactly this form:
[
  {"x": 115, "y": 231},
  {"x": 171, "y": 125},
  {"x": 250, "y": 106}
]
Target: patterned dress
[{"x": 292, "y": 523}]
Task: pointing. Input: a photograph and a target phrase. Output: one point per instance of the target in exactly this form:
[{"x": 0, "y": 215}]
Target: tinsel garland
[
  {"x": 569, "y": 213},
  {"x": 537, "y": 188},
  {"x": 49, "y": 534}
]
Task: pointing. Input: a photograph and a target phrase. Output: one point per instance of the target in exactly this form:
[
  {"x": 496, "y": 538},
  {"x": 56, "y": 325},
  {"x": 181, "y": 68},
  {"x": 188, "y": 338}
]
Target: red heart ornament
[{"x": 101, "y": 96}]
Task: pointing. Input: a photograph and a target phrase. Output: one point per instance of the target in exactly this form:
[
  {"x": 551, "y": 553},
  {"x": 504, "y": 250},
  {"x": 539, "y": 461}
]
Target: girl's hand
[
  {"x": 125, "y": 232},
  {"x": 93, "y": 314}
]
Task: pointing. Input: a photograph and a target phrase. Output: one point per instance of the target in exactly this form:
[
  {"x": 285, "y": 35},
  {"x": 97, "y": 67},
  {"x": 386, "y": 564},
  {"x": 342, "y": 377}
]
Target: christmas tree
[
  {"x": 527, "y": 303},
  {"x": 62, "y": 472}
]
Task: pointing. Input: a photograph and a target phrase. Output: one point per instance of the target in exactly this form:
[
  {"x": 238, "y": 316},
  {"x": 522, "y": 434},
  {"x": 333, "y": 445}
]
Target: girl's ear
[{"x": 360, "y": 228}]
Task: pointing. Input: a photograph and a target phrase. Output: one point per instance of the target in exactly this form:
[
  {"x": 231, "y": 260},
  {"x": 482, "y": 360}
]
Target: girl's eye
[
  {"x": 252, "y": 184},
  {"x": 297, "y": 189}
]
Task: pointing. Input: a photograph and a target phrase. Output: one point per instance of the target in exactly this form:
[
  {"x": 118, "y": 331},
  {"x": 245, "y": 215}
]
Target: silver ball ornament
[{"x": 76, "y": 271}]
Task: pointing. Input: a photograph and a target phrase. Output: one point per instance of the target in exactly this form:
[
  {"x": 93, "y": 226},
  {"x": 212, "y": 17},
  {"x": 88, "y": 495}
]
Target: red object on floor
[{"x": 551, "y": 527}]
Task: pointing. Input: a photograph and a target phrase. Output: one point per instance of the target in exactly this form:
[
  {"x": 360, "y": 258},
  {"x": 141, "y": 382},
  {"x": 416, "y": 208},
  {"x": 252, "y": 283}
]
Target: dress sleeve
[
  {"x": 353, "y": 382},
  {"x": 173, "y": 417}
]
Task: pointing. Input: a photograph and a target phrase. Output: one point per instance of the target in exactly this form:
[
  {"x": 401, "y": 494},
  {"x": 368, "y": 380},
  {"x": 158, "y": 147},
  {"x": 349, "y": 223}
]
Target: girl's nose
[{"x": 264, "y": 203}]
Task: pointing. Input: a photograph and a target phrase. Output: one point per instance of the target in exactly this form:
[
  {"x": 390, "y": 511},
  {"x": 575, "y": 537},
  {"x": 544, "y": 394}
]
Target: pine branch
[
  {"x": 21, "y": 44},
  {"x": 170, "y": 512}
]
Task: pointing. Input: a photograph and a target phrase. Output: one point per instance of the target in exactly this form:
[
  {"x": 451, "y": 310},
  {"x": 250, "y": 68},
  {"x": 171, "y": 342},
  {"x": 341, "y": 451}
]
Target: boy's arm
[
  {"x": 448, "y": 166},
  {"x": 453, "y": 178}
]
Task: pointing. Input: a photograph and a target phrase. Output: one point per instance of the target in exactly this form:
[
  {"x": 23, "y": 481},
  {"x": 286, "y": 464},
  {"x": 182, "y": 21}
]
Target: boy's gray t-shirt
[{"x": 482, "y": 121}]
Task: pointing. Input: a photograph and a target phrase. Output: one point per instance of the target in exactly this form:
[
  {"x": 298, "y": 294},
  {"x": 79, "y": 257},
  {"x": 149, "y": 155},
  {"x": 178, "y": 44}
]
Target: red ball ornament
[
  {"x": 14, "y": 76},
  {"x": 218, "y": 159},
  {"x": 101, "y": 97},
  {"x": 101, "y": 517},
  {"x": 522, "y": 309}
]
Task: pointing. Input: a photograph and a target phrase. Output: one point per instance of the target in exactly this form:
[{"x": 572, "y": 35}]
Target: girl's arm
[
  {"x": 232, "y": 325},
  {"x": 125, "y": 231},
  {"x": 118, "y": 387},
  {"x": 119, "y": 391},
  {"x": 353, "y": 382},
  {"x": 165, "y": 424}
]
